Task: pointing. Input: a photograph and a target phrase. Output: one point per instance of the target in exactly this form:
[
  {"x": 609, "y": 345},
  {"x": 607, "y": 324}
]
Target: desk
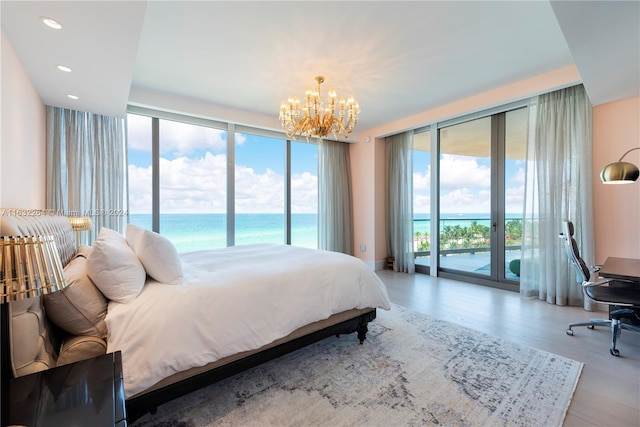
[
  {"x": 627, "y": 269},
  {"x": 621, "y": 269}
]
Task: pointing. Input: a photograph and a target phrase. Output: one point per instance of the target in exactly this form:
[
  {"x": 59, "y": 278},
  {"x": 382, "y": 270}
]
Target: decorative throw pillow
[
  {"x": 75, "y": 348},
  {"x": 157, "y": 254},
  {"x": 79, "y": 308},
  {"x": 114, "y": 268}
]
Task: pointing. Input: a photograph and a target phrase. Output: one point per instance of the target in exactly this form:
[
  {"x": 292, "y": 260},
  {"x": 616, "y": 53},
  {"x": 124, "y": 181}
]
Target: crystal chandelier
[{"x": 315, "y": 119}]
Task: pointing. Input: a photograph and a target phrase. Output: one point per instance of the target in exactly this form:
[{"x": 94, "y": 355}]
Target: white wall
[{"x": 23, "y": 136}]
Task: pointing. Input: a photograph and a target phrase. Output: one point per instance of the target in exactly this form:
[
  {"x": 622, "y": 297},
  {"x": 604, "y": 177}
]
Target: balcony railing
[
  {"x": 469, "y": 251},
  {"x": 461, "y": 233}
]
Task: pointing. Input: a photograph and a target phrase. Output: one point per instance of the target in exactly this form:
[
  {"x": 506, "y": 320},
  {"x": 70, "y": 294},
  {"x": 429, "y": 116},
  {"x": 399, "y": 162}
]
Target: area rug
[{"x": 411, "y": 370}]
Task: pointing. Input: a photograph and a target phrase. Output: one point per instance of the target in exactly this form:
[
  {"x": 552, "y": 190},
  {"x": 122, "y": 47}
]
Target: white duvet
[{"x": 232, "y": 300}]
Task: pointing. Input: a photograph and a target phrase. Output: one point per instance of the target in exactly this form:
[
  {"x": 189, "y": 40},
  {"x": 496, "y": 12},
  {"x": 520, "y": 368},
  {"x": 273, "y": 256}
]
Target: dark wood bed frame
[
  {"x": 149, "y": 402},
  {"x": 45, "y": 222}
]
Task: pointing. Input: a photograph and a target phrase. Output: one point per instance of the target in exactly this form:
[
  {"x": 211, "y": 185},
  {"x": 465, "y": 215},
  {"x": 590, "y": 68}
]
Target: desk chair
[{"x": 625, "y": 296}]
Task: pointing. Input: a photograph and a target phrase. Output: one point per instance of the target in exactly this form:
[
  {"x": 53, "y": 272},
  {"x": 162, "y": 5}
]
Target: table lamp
[
  {"x": 30, "y": 267},
  {"x": 80, "y": 223}
]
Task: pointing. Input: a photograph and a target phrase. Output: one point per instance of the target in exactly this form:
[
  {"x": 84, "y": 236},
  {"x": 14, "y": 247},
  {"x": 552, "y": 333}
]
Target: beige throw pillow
[{"x": 79, "y": 308}]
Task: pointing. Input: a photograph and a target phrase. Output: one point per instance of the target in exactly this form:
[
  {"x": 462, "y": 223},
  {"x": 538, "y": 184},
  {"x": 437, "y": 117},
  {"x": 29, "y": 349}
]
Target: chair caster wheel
[
  {"x": 570, "y": 332},
  {"x": 614, "y": 352},
  {"x": 591, "y": 327}
]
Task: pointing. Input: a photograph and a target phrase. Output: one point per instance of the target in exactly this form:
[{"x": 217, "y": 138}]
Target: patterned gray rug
[{"x": 412, "y": 370}]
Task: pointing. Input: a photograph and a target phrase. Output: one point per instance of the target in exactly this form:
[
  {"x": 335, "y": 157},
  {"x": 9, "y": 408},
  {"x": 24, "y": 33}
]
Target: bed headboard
[{"x": 33, "y": 339}]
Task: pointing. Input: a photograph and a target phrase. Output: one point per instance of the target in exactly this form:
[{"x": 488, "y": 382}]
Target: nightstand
[{"x": 86, "y": 393}]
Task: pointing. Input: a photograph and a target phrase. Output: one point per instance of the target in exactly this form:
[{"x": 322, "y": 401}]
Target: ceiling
[{"x": 241, "y": 59}]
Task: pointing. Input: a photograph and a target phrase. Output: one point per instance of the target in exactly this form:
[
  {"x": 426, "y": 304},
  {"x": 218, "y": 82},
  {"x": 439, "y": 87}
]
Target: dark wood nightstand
[{"x": 86, "y": 393}]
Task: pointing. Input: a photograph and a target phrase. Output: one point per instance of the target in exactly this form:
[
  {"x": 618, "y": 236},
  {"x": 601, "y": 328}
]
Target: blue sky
[
  {"x": 465, "y": 184},
  {"x": 193, "y": 174},
  {"x": 193, "y": 170}
]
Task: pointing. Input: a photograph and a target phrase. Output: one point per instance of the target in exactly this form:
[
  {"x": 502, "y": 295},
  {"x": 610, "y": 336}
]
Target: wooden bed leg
[{"x": 362, "y": 332}]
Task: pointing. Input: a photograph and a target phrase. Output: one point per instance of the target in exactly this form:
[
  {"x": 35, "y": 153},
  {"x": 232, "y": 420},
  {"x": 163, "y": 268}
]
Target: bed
[{"x": 199, "y": 317}]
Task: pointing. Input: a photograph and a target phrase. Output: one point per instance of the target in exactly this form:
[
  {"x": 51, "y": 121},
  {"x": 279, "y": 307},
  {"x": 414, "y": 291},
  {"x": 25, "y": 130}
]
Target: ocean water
[{"x": 190, "y": 232}]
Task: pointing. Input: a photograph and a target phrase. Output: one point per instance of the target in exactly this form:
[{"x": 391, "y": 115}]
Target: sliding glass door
[
  {"x": 481, "y": 187},
  {"x": 422, "y": 199},
  {"x": 465, "y": 197},
  {"x": 514, "y": 173}
]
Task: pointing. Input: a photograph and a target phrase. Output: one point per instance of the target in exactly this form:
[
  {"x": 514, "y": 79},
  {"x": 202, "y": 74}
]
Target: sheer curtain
[
  {"x": 335, "y": 212},
  {"x": 557, "y": 188},
  {"x": 400, "y": 201},
  {"x": 86, "y": 168}
]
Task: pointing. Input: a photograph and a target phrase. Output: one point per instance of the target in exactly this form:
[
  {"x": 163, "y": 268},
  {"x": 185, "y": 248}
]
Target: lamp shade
[
  {"x": 619, "y": 173},
  {"x": 30, "y": 267},
  {"x": 80, "y": 223}
]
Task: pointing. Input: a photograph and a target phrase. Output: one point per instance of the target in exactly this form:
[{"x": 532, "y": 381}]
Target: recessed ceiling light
[
  {"x": 51, "y": 23},
  {"x": 72, "y": 97},
  {"x": 64, "y": 68}
]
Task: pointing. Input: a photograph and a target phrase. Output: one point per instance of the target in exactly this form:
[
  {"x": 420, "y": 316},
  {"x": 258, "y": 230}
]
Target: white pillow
[
  {"x": 157, "y": 254},
  {"x": 114, "y": 268}
]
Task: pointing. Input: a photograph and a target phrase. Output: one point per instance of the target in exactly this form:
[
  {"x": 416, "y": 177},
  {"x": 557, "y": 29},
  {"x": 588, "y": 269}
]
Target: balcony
[{"x": 465, "y": 244}]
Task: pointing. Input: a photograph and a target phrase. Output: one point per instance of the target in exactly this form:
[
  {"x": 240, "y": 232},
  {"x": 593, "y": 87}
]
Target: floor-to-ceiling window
[
  {"x": 304, "y": 194},
  {"x": 139, "y": 158},
  {"x": 259, "y": 189},
  {"x": 192, "y": 184},
  {"x": 465, "y": 197},
  {"x": 205, "y": 186}
]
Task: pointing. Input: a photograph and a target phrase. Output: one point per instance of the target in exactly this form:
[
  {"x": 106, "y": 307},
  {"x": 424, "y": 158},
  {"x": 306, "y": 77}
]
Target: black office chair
[{"x": 624, "y": 296}]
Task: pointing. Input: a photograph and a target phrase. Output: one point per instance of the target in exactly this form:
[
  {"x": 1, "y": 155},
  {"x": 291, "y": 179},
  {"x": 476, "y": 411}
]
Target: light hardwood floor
[{"x": 608, "y": 392}]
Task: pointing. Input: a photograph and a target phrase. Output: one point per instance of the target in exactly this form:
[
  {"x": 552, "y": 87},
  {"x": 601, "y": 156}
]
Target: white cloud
[
  {"x": 462, "y": 200},
  {"x": 139, "y": 189},
  {"x": 182, "y": 138},
  {"x": 519, "y": 176},
  {"x": 421, "y": 203},
  {"x": 422, "y": 181},
  {"x": 176, "y": 138},
  {"x": 421, "y": 190},
  {"x": 139, "y": 132},
  {"x": 258, "y": 193},
  {"x": 464, "y": 185},
  {"x": 514, "y": 199},
  {"x": 304, "y": 193},
  {"x": 199, "y": 186},
  {"x": 463, "y": 171}
]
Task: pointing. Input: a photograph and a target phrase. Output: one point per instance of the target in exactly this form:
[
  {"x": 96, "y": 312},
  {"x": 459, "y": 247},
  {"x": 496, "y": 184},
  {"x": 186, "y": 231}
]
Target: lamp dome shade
[{"x": 619, "y": 173}]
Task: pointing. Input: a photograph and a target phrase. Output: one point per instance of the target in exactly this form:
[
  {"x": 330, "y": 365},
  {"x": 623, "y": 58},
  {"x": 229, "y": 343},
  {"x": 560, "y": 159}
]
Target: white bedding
[{"x": 232, "y": 300}]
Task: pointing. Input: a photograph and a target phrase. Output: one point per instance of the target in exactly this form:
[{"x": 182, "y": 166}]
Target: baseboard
[
  {"x": 378, "y": 265},
  {"x": 375, "y": 266}
]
